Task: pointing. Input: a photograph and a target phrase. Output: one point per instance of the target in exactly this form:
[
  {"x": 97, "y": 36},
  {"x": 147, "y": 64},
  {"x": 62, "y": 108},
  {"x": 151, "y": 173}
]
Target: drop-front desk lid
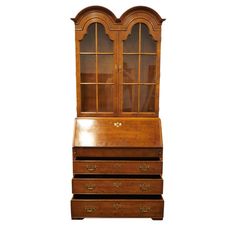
[{"x": 118, "y": 132}]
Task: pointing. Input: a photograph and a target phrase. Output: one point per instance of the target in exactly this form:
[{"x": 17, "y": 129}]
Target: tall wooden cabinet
[{"x": 117, "y": 147}]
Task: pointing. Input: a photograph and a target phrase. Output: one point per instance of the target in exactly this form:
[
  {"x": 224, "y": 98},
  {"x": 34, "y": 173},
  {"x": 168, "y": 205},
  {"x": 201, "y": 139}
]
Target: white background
[{"x": 197, "y": 107}]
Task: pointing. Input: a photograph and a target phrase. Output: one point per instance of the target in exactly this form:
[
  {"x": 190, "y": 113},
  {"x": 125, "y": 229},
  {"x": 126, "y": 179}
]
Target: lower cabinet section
[
  {"x": 120, "y": 184},
  {"x": 117, "y": 170},
  {"x": 117, "y": 206}
]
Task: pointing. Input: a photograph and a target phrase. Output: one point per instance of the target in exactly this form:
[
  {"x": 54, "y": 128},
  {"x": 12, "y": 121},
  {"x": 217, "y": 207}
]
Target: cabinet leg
[
  {"x": 77, "y": 218},
  {"x": 156, "y": 218}
]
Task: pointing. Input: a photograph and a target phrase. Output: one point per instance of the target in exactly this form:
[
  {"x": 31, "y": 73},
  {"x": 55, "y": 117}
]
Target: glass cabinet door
[
  {"x": 96, "y": 61},
  {"x": 139, "y": 71}
]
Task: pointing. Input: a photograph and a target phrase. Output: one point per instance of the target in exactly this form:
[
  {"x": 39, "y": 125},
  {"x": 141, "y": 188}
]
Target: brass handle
[
  {"x": 117, "y": 165},
  {"x": 144, "y": 167},
  {"x": 116, "y": 206},
  {"x": 90, "y": 209},
  {"x": 144, "y": 187},
  {"x": 91, "y": 167},
  {"x": 117, "y": 124},
  {"x": 144, "y": 209},
  {"x": 90, "y": 187},
  {"x": 117, "y": 184}
]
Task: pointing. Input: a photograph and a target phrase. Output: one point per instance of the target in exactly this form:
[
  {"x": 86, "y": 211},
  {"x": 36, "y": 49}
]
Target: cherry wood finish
[
  {"x": 118, "y": 207},
  {"x": 118, "y": 132},
  {"x": 95, "y": 25},
  {"x": 117, "y": 143},
  {"x": 108, "y": 152},
  {"x": 117, "y": 185},
  {"x": 117, "y": 167}
]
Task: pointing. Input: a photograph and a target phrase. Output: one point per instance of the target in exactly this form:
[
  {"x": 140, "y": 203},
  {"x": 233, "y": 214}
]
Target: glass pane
[
  {"x": 148, "y": 69},
  {"x": 147, "y": 98},
  {"x": 130, "y": 68},
  {"x": 105, "y": 98},
  {"x": 104, "y": 42},
  {"x": 147, "y": 42},
  {"x": 130, "y": 98},
  {"x": 88, "y": 97},
  {"x": 131, "y": 43},
  {"x": 88, "y": 68},
  {"x": 87, "y": 44},
  {"x": 105, "y": 68}
]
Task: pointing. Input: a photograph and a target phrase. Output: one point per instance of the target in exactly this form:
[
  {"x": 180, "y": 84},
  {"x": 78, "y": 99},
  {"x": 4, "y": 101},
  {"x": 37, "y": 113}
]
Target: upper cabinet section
[{"x": 117, "y": 62}]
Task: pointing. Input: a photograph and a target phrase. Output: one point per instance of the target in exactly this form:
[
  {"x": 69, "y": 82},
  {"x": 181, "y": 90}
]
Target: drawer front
[
  {"x": 117, "y": 186},
  {"x": 117, "y": 152},
  {"x": 117, "y": 167},
  {"x": 117, "y": 208}
]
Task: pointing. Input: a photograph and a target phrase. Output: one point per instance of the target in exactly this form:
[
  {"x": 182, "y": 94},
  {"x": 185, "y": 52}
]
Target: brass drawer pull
[
  {"x": 90, "y": 209},
  {"x": 117, "y": 184},
  {"x": 144, "y": 167},
  {"x": 90, "y": 187},
  {"x": 117, "y": 124},
  {"x": 91, "y": 167},
  {"x": 144, "y": 209},
  {"x": 145, "y": 187},
  {"x": 117, "y": 206},
  {"x": 117, "y": 165}
]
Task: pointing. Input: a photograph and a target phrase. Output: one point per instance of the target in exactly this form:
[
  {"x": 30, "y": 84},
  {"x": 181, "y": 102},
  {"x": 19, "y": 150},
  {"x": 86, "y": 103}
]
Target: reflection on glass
[
  {"x": 147, "y": 42},
  {"x": 87, "y": 44},
  {"x": 148, "y": 69},
  {"x": 88, "y": 98},
  {"x": 131, "y": 43},
  {"x": 130, "y": 98},
  {"x": 105, "y": 68},
  {"x": 104, "y": 42},
  {"x": 87, "y": 68},
  {"x": 105, "y": 98},
  {"x": 130, "y": 68},
  {"x": 147, "y": 98}
]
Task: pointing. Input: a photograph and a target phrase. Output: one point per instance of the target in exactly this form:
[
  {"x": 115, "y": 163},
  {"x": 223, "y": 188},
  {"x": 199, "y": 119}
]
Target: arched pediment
[{"x": 104, "y": 14}]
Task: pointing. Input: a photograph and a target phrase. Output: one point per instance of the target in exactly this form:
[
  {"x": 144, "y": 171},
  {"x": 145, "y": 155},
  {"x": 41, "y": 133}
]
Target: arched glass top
[
  {"x": 96, "y": 70},
  {"x": 139, "y": 70}
]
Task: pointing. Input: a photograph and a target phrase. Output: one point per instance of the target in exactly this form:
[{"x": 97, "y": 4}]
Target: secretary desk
[{"x": 117, "y": 142}]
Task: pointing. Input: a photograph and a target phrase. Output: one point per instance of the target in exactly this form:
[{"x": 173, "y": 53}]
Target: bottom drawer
[{"x": 117, "y": 206}]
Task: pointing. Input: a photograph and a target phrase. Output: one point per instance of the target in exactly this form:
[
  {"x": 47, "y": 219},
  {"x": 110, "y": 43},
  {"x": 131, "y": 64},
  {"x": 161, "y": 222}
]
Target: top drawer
[{"x": 117, "y": 152}]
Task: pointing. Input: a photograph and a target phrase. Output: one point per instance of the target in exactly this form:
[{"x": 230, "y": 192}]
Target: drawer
[
  {"x": 122, "y": 184},
  {"x": 116, "y": 152},
  {"x": 116, "y": 167},
  {"x": 117, "y": 206}
]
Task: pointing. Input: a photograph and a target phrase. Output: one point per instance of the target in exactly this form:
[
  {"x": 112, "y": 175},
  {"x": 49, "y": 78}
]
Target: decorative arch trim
[{"x": 107, "y": 12}]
